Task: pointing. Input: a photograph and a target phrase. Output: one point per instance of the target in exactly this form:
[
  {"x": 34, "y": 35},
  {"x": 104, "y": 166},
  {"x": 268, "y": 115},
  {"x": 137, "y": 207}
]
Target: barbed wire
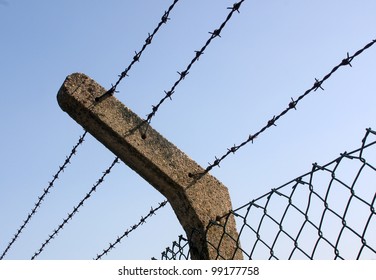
[
  {"x": 43, "y": 196},
  {"x": 75, "y": 209},
  {"x": 136, "y": 57},
  {"x": 292, "y": 105},
  {"x": 168, "y": 94},
  {"x": 132, "y": 228},
  {"x": 272, "y": 122}
]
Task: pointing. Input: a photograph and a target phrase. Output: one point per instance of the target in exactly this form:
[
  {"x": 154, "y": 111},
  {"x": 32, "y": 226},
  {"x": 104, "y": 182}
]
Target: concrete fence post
[{"x": 195, "y": 201}]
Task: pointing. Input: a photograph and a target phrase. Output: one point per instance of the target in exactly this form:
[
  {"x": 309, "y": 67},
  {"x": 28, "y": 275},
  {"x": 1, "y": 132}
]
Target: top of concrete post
[{"x": 196, "y": 201}]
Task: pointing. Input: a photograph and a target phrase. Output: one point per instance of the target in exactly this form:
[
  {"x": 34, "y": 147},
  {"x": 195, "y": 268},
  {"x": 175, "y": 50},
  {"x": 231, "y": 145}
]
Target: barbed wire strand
[
  {"x": 168, "y": 94},
  {"x": 43, "y": 196},
  {"x": 75, "y": 209},
  {"x": 137, "y": 56},
  {"x": 292, "y": 105},
  {"x": 133, "y": 228}
]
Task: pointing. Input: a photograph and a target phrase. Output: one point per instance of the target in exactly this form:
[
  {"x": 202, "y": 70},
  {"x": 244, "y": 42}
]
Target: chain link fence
[{"x": 327, "y": 213}]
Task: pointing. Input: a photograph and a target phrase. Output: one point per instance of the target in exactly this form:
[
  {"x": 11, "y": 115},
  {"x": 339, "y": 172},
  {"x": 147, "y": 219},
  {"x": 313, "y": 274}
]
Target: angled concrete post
[{"x": 196, "y": 202}]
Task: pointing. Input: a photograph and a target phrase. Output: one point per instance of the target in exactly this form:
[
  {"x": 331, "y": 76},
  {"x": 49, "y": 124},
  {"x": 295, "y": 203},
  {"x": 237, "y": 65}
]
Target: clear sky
[{"x": 270, "y": 52}]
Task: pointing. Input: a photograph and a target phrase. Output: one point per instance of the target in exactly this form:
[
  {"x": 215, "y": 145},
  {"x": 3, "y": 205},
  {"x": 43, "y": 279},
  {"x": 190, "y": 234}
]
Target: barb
[
  {"x": 292, "y": 105},
  {"x": 43, "y": 196},
  {"x": 75, "y": 209},
  {"x": 216, "y": 33},
  {"x": 136, "y": 57},
  {"x": 128, "y": 231}
]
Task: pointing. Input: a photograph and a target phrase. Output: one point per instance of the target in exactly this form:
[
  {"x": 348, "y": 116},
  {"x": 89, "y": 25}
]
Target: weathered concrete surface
[{"x": 162, "y": 164}]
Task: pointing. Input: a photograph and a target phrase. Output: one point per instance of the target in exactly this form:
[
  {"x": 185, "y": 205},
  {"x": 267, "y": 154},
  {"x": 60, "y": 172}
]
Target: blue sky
[{"x": 270, "y": 52}]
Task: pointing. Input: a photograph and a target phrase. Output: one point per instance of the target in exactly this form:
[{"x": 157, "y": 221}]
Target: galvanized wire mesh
[{"x": 327, "y": 213}]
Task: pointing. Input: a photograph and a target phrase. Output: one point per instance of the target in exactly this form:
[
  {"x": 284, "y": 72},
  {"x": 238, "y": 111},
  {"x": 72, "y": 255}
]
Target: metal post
[{"x": 196, "y": 201}]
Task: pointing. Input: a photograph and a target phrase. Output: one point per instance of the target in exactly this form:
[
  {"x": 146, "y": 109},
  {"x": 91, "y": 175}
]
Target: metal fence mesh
[{"x": 327, "y": 213}]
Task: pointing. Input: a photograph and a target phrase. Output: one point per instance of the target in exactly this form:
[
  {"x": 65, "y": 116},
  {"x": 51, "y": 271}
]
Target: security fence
[{"x": 327, "y": 213}]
